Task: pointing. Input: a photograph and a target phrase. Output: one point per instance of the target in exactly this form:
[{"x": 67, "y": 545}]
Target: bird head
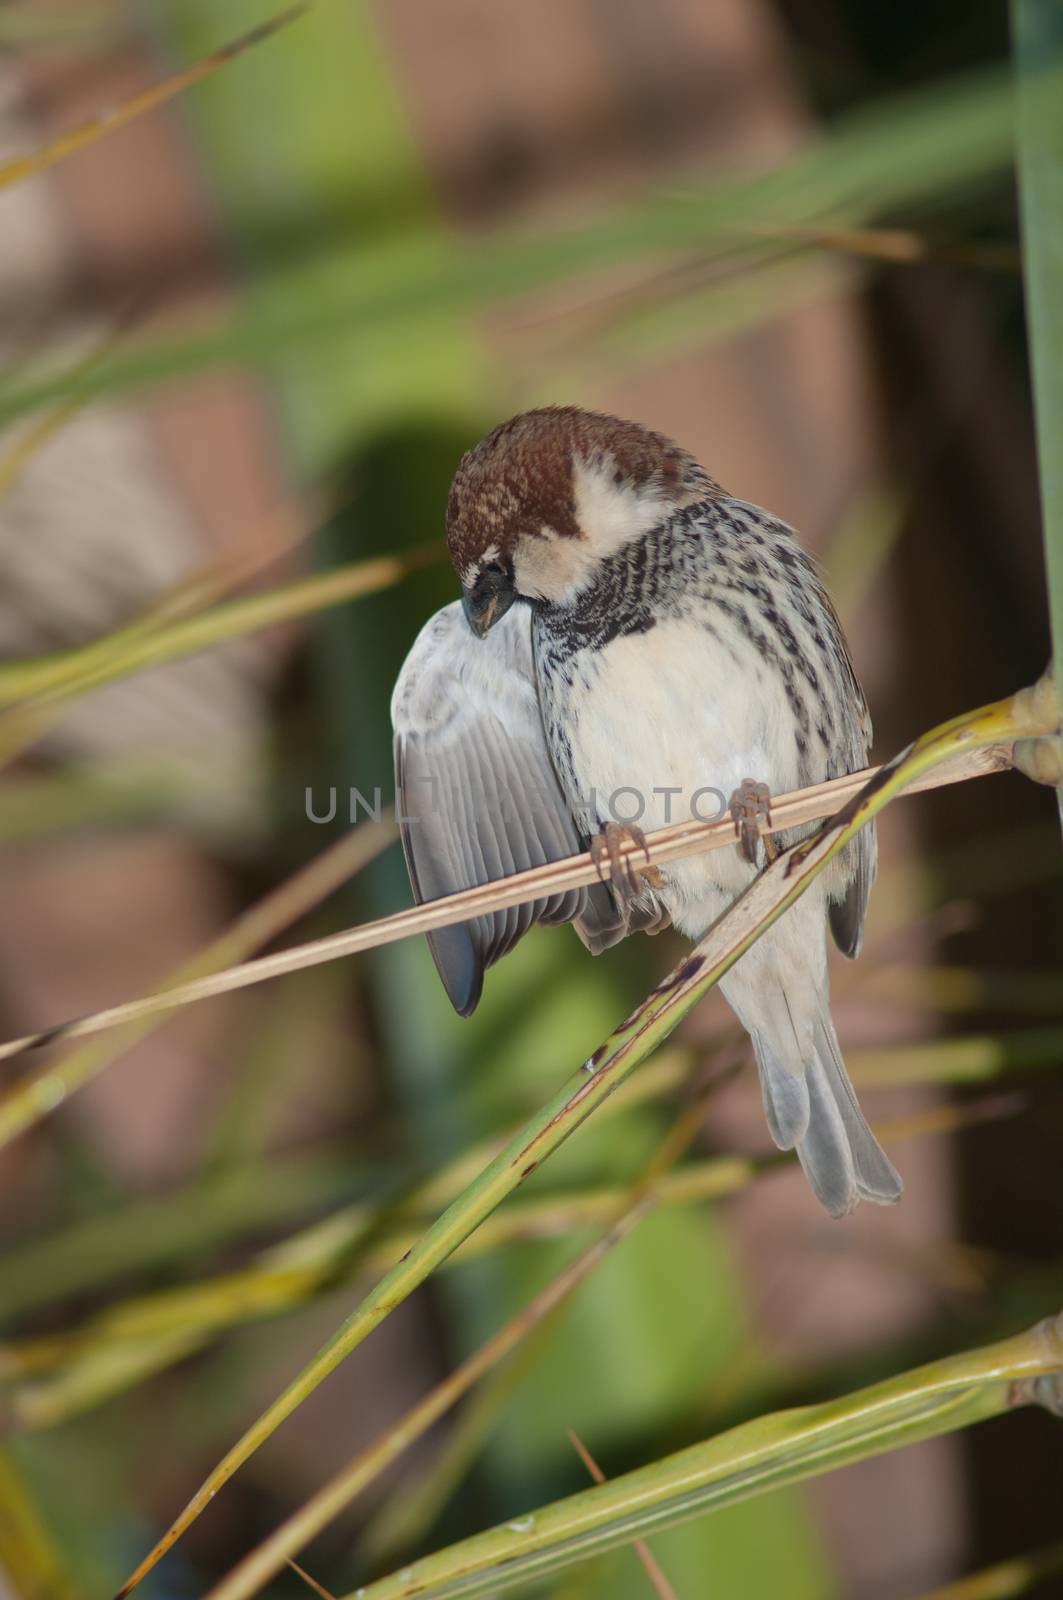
[{"x": 547, "y": 497}]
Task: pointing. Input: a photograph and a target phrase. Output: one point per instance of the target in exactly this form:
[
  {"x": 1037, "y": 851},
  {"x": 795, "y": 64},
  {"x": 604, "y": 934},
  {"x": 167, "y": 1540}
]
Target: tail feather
[
  {"x": 786, "y": 1099},
  {"x": 825, "y": 1152},
  {"x": 811, "y": 1107},
  {"x": 871, "y": 1174}
]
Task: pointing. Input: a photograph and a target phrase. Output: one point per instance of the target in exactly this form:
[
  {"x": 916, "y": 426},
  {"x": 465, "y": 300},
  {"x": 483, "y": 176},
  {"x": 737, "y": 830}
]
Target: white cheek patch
[
  {"x": 547, "y": 566},
  {"x": 609, "y": 513},
  {"x": 552, "y": 569}
]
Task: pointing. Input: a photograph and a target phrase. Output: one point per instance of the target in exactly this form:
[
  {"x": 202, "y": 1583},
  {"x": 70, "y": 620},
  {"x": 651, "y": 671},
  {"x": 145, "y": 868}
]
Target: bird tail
[{"x": 811, "y": 1107}]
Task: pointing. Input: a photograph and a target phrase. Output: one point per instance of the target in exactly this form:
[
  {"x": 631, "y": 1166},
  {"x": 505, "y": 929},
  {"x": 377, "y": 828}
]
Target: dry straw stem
[
  {"x": 876, "y": 162},
  {"x": 667, "y": 844},
  {"x": 15, "y": 460},
  {"x": 658, "y": 1582},
  {"x": 54, "y": 1377},
  {"x": 778, "y": 1448},
  {"x": 901, "y": 246},
  {"x": 362, "y": 1236},
  {"x": 264, "y": 1562},
  {"x": 1029, "y": 713},
  {"x": 38, "y": 681},
  {"x": 137, "y": 105},
  {"x": 136, "y": 1237},
  {"x": 42, "y": 1091},
  {"x": 311, "y": 1583},
  {"x": 175, "y": 623}
]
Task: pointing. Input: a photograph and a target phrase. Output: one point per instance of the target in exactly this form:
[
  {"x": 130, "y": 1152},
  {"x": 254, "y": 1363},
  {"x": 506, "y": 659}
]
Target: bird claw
[
  {"x": 750, "y": 808},
  {"x": 607, "y": 846}
]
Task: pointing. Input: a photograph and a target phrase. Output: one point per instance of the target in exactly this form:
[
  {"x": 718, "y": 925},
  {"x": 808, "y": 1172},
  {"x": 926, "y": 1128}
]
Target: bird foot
[
  {"x": 750, "y": 808},
  {"x": 628, "y": 880}
]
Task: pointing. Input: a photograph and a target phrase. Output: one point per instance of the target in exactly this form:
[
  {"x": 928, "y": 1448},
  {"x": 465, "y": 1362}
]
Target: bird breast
[{"x": 657, "y": 726}]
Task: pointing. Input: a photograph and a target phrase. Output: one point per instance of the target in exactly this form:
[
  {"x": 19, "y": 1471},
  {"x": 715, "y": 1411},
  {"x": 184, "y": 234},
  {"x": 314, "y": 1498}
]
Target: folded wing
[
  {"x": 861, "y": 855},
  {"x": 478, "y": 798}
]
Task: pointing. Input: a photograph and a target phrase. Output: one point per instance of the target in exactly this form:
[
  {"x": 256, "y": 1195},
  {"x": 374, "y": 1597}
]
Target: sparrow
[{"x": 629, "y": 629}]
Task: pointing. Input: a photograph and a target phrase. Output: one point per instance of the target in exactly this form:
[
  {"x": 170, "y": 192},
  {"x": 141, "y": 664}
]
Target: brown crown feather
[{"x": 520, "y": 477}]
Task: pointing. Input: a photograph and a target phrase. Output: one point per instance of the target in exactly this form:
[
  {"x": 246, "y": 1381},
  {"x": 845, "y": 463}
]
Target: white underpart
[
  {"x": 690, "y": 703},
  {"x": 676, "y": 708},
  {"x": 609, "y": 514}
]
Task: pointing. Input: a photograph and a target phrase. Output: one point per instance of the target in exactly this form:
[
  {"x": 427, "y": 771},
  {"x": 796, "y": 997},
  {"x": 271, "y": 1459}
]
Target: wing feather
[
  {"x": 860, "y": 857},
  {"x": 478, "y": 798}
]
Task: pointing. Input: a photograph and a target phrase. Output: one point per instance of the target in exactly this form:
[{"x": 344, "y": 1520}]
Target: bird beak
[{"x": 489, "y": 599}]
